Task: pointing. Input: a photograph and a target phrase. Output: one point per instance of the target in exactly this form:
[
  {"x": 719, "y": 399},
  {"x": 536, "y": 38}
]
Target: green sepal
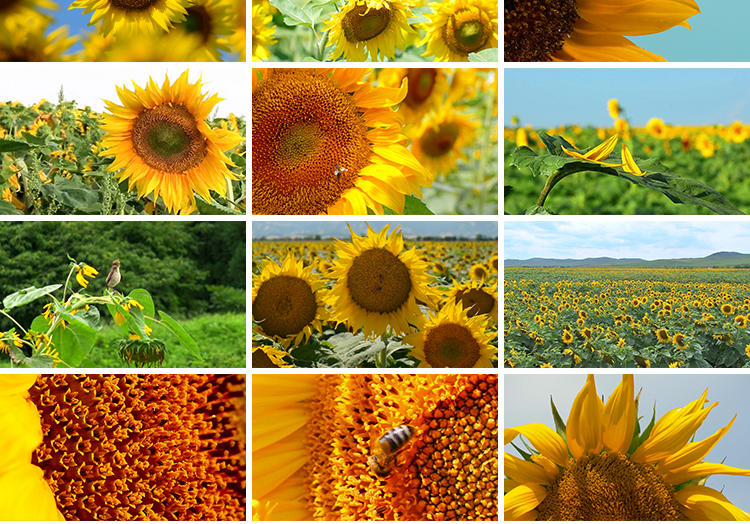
[{"x": 559, "y": 424}]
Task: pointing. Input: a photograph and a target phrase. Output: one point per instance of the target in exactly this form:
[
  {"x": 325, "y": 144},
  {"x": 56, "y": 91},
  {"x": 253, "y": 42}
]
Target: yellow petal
[
  {"x": 619, "y": 417},
  {"x": 24, "y": 495},
  {"x": 628, "y": 162},
  {"x": 523, "y": 499},
  {"x": 691, "y": 453},
  {"x": 702, "y": 503},
  {"x": 585, "y": 422},
  {"x": 704, "y": 469},
  {"x": 634, "y": 17},
  {"x": 525, "y": 472},
  {"x": 544, "y": 439}
]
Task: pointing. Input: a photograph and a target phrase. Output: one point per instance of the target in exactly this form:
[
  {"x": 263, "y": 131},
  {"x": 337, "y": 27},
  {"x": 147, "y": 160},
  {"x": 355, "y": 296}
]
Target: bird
[{"x": 114, "y": 275}]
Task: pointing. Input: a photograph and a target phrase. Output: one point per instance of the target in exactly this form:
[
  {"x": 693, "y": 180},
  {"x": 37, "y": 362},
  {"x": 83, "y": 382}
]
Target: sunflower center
[
  {"x": 309, "y": 143},
  {"x": 284, "y": 305},
  {"x": 362, "y": 24},
  {"x": 167, "y": 138},
  {"x": 467, "y": 31},
  {"x": 132, "y": 5},
  {"x": 536, "y": 29},
  {"x": 198, "y": 21},
  {"x": 421, "y": 83},
  {"x": 476, "y": 301},
  {"x": 7, "y": 5},
  {"x": 609, "y": 487},
  {"x": 451, "y": 345},
  {"x": 379, "y": 282},
  {"x": 438, "y": 141}
]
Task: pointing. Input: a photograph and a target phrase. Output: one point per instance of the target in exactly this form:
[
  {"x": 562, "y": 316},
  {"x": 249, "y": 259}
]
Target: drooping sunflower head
[
  {"x": 476, "y": 298},
  {"x": 161, "y": 141},
  {"x": 326, "y": 142},
  {"x": 288, "y": 301},
  {"x": 460, "y": 27},
  {"x": 601, "y": 466},
  {"x": 439, "y": 140},
  {"x": 452, "y": 339},
  {"x": 378, "y": 283},
  {"x": 376, "y": 27},
  {"x": 132, "y": 17}
]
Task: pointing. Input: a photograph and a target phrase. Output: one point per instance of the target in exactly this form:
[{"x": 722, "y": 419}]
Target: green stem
[
  {"x": 485, "y": 157},
  {"x": 551, "y": 182}
]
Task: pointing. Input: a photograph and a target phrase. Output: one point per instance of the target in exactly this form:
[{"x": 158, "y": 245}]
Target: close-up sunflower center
[
  {"x": 438, "y": 141},
  {"x": 451, "y": 345},
  {"x": 467, "y": 31},
  {"x": 536, "y": 29},
  {"x": 609, "y": 487},
  {"x": 167, "y": 138},
  {"x": 421, "y": 84},
  {"x": 379, "y": 282},
  {"x": 132, "y": 5},
  {"x": 284, "y": 305},
  {"x": 199, "y": 21},
  {"x": 476, "y": 301},
  {"x": 362, "y": 23},
  {"x": 309, "y": 142}
]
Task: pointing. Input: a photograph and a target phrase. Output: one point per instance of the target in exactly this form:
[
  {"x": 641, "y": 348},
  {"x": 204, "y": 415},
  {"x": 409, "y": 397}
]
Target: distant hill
[{"x": 723, "y": 259}]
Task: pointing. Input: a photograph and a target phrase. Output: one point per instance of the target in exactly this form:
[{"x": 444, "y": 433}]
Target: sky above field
[
  {"x": 527, "y": 399},
  {"x": 549, "y": 97},
  {"x": 296, "y": 228},
  {"x": 648, "y": 240},
  {"x": 90, "y": 84}
]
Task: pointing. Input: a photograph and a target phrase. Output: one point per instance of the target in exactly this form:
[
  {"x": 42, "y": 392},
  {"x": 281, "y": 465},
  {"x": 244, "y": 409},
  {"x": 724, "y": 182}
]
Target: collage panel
[
  {"x": 352, "y": 141},
  {"x": 630, "y": 448},
  {"x": 386, "y": 447},
  {"x": 353, "y": 294},
  {"x": 141, "y": 294},
  {"x": 123, "y": 447}
]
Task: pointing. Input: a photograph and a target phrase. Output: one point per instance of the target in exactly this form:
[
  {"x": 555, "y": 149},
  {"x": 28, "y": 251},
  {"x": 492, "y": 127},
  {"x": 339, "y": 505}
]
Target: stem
[
  {"x": 230, "y": 193},
  {"x": 65, "y": 288},
  {"x": 484, "y": 159},
  {"x": 551, "y": 182},
  {"x": 14, "y": 321}
]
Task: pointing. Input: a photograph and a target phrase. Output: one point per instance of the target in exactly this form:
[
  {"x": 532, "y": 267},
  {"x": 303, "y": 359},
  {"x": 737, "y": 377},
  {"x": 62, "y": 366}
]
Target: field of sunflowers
[
  {"x": 51, "y": 163},
  {"x": 375, "y": 301},
  {"x": 562, "y": 317},
  {"x": 714, "y": 156}
]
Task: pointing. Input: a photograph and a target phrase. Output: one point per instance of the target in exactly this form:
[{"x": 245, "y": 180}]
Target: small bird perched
[{"x": 114, "y": 275}]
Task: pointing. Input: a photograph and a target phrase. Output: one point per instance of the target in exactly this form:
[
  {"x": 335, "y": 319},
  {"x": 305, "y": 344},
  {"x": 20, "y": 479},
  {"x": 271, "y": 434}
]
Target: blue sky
[
  {"x": 527, "y": 399},
  {"x": 550, "y": 97},
  {"x": 648, "y": 240}
]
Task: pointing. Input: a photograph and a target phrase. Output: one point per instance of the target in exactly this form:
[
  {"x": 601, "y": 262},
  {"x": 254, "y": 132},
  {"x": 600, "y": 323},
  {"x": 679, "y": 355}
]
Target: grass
[{"x": 221, "y": 339}]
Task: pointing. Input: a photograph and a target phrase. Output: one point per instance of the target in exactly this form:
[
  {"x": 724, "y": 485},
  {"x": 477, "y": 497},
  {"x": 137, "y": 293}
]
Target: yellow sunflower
[
  {"x": 601, "y": 466},
  {"x": 15, "y": 14},
  {"x": 460, "y": 27},
  {"x": 162, "y": 143},
  {"x": 175, "y": 46},
  {"x": 131, "y": 17},
  {"x": 262, "y": 33},
  {"x": 326, "y": 142},
  {"x": 427, "y": 88},
  {"x": 33, "y": 43},
  {"x": 210, "y": 22},
  {"x": 288, "y": 301},
  {"x": 306, "y": 468},
  {"x": 438, "y": 141},
  {"x": 238, "y": 38},
  {"x": 376, "y": 27},
  {"x": 476, "y": 298},
  {"x": 479, "y": 272},
  {"x": 588, "y": 30},
  {"x": 452, "y": 339},
  {"x": 378, "y": 284}
]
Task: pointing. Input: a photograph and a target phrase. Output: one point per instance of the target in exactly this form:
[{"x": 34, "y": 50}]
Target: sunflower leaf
[
  {"x": 294, "y": 14},
  {"x": 13, "y": 146},
  {"x": 487, "y": 55},
  {"x": 6, "y": 208},
  {"x": 183, "y": 336},
  {"x": 27, "y": 295},
  {"x": 414, "y": 206}
]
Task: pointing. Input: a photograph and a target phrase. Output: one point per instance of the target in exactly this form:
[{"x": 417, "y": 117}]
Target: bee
[
  {"x": 338, "y": 171},
  {"x": 387, "y": 446}
]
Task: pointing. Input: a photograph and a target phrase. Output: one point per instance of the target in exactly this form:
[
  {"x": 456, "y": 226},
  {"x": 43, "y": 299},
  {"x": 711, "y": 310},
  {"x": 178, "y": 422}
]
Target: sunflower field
[
  {"x": 54, "y": 160},
  {"x": 375, "y": 301},
  {"x": 675, "y": 170},
  {"x": 375, "y": 30},
  {"x": 389, "y": 141},
  {"x": 563, "y": 317}
]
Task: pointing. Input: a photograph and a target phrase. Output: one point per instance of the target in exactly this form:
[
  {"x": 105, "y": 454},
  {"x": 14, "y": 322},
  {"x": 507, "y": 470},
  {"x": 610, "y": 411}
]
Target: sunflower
[
  {"x": 727, "y": 309},
  {"x": 376, "y": 27},
  {"x": 262, "y": 32},
  {"x": 82, "y": 272},
  {"x": 602, "y": 467},
  {"x": 460, "y": 27},
  {"x": 479, "y": 272},
  {"x": 378, "y": 284},
  {"x": 313, "y": 435},
  {"x": 269, "y": 357},
  {"x": 14, "y": 14},
  {"x": 325, "y": 142},
  {"x": 427, "y": 88},
  {"x": 588, "y": 30},
  {"x": 238, "y": 38},
  {"x": 288, "y": 301},
  {"x": 33, "y": 43},
  {"x": 567, "y": 336},
  {"x": 452, "y": 339},
  {"x": 175, "y": 46},
  {"x": 132, "y": 17},
  {"x": 210, "y": 22},
  {"x": 438, "y": 141},
  {"x": 678, "y": 339},
  {"x": 663, "y": 336},
  {"x": 476, "y": 298},
  {"x": 161, "y": 139}
]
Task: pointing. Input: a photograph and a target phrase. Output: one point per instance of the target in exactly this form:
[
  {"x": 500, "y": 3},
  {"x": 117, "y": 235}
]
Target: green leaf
[
  {"x": 213, "y": 208},
  {"x": 40, "y": 361},
  {"x": 73, "y": 342},
  {"x": 488, "y": 55},
  {"x": 310, "y": 59},
  {"x": 71, "y": 192},
  {"x": 6, "y": 208},
  {"x": 185, "y": 339},
  {"x": 537, "y": 210},
  {"x": 414, "y": 206},
  {"x": 143, "y": 297},
  {"x": 13, "y": 146},
  {"x": 88, "y": 317},
  {"x": 27, "y": 295},
  {"x": 294, "y": 14}
]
